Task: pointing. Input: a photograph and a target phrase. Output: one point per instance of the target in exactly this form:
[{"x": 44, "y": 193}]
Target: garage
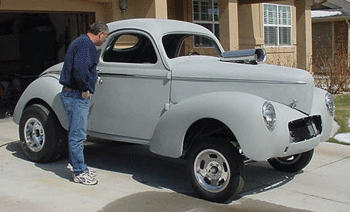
[{"x": 30, "y": 42}]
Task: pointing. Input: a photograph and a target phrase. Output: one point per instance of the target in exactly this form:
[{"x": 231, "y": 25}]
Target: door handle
[{"x": 99, "y": 79}]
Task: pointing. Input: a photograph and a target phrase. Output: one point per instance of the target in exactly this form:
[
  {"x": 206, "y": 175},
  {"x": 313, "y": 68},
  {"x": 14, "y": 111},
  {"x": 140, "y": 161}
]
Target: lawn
[{"x": 342, "y": 114}]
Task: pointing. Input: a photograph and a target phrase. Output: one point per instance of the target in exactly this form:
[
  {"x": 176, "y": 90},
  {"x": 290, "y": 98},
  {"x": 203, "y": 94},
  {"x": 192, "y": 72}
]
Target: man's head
[{"x": 98, "y": 32}]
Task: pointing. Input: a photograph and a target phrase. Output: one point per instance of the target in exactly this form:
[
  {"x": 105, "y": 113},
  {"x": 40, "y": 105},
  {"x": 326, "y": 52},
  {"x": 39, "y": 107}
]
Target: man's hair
[{"x": 98, "y": 27}]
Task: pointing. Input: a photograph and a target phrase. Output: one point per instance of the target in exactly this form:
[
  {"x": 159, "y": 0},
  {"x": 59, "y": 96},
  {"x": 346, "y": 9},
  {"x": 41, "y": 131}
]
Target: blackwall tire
[
  {"x": 41, "y": 135},
  {"x": 292, "y": 163},
  {"x": 215, "y": 169}
]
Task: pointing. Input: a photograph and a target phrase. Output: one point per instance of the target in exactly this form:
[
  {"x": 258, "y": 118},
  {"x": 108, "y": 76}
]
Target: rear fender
[{"x": 47, "y": 89}]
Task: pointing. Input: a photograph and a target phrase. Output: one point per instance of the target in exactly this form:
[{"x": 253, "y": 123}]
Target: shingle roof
[{"x": 332, "y": 9}]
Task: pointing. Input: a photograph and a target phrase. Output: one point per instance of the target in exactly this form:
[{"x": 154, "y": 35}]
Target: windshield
[{"x": 178, "y": 45}]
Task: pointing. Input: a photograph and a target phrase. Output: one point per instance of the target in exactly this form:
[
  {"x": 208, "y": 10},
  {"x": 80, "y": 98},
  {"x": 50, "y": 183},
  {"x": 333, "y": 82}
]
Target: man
[{"x": 78, "y": 78}]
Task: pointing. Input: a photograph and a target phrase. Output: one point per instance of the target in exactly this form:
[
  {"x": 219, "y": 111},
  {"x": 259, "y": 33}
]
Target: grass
[{"x": 342, "y": 114}]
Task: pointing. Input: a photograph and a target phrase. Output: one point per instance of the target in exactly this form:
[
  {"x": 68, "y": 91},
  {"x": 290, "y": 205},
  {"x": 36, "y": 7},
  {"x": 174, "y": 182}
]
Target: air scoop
[{"x": 250, "y": 56}]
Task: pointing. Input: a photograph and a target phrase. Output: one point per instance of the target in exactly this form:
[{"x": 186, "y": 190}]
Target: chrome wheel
[
  {"x": 34, "y": 134},
  {"x": 41, "y": 135},
  {"x": 212, "y": 170},
  {"x": 216, "y": 169}
]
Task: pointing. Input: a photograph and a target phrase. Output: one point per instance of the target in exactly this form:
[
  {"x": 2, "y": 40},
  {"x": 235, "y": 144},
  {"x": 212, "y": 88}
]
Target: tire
[
  {"x": 292, "y": 163},
  {"x": 215, "y": 169},
  {"x": 41, "y": 135}
]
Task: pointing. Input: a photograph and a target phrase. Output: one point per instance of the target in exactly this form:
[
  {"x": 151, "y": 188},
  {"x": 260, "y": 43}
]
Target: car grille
[{"x": 305, "y": 128}]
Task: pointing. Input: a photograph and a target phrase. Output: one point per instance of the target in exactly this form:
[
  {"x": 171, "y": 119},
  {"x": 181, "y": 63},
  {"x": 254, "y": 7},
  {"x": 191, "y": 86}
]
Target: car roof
[{"x": 157, "y": 27}]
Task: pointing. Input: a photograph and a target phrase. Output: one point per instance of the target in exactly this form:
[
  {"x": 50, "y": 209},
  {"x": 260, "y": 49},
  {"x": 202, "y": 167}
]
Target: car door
[{"x": 134, "y": 90}]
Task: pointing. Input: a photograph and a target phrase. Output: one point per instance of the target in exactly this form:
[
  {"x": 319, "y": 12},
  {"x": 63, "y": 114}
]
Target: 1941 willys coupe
[{"x": 170, "y": 85}]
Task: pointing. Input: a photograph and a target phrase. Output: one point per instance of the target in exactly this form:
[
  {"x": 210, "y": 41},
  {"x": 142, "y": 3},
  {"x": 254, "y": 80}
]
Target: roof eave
[{"x": 332, "y": 18}]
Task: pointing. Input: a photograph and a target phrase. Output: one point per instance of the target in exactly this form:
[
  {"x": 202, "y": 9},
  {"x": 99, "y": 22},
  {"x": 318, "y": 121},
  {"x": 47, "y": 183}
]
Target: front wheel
[
  {"x": 41, "y": 135},
  {"x": 292, "y": 163},
  {"x": 216, "y": 170}
]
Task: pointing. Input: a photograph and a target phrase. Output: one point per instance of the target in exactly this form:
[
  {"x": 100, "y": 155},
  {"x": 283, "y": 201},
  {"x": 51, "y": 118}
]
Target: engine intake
[{"x": 251, "y": 56}]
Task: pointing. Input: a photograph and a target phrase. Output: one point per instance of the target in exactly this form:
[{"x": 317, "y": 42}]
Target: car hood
[{"x": 195, "y": 75}]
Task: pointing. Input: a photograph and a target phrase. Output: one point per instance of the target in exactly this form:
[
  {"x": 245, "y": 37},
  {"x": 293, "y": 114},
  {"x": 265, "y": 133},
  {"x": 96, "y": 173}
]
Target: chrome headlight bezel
[
  {"x": 329, "y": 100},
  {"x": 269, "y": 114}
]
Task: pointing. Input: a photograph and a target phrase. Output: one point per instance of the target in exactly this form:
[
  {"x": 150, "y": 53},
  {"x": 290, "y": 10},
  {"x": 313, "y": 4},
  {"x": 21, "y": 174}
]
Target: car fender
[
  {"x": 47, "y": 89},
  {"x": 241, "y": 112},
  {"x": 327, "y": 118}
]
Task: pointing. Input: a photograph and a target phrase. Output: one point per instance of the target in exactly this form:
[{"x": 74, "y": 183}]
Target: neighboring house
[
  {"x": 282, "y": 27},
  {"x": 330, "y": 29}
]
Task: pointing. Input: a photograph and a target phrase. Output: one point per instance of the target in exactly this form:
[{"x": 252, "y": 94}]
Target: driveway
[{"x": 133, "y": 179}]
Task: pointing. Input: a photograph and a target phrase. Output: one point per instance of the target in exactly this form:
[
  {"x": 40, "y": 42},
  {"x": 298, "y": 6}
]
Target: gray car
[{"x": 170, "y": 85}]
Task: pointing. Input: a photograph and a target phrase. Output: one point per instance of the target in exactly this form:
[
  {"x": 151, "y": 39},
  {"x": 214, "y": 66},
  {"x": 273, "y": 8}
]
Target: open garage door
[{"x": 29, "y": 44}]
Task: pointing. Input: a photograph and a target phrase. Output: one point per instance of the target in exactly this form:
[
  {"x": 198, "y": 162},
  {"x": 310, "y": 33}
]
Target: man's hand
[{"x": 85, "y": 95}]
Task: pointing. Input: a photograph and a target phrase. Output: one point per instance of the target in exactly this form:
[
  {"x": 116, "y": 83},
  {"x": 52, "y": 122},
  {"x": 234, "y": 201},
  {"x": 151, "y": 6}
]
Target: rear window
[{"x": 179, "y": 45}]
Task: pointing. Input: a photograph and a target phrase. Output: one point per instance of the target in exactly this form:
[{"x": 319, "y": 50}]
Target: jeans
[{"x": 77, "y": 110}]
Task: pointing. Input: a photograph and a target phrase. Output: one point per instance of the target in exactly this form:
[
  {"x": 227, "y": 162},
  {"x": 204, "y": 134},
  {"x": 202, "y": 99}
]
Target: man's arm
[{"x": 82, "y": 63}]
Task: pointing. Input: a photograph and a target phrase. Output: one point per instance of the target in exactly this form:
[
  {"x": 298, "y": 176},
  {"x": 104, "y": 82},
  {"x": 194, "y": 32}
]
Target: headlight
[
  {"x": 329, "y": 99},
  {"x": 269, "y": 114}
]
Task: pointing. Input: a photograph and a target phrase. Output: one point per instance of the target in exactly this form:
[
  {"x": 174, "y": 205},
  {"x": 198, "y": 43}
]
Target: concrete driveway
[{"x": 133, "y": 179}]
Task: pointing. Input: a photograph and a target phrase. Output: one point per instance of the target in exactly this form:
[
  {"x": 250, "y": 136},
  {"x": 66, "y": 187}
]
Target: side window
[{"x": 131, "y": 48}]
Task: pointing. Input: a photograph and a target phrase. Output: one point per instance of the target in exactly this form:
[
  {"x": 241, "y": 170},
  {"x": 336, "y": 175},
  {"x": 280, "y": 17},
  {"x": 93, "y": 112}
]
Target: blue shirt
[{"x": 79, "y": 68}]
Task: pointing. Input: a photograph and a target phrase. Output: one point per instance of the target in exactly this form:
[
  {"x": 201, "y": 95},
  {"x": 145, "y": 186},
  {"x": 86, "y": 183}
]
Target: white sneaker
[
  {"x": 84, "y": 178},
  {"x": 92, "y": 173},
  {"x": 70, "y": 167}
]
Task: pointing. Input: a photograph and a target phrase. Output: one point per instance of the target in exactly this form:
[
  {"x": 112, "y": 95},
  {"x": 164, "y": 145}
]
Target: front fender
[
  {"x": 319, "y": 107},
  {"x": 46, "y": 88},
  {"x": 241, "y": 112}
]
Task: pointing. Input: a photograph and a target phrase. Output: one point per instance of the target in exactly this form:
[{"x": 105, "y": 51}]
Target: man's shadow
[{"x": 154, "y": 170}]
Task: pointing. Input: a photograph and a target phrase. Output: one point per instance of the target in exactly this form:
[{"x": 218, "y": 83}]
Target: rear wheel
[
  {"x": 41, "y": 135},
  {"x": 292, "y": 163},
  {"x": 216, "y": 170}
]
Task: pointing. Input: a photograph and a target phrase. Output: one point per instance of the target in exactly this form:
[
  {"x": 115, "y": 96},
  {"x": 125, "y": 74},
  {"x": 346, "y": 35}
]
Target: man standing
[{"x": 78, "y": 78}]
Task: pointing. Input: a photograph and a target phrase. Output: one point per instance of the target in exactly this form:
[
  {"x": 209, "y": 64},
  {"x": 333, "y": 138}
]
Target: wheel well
[
  {"x": 205, "y": 128},
  {"x": 38, "y": 101},
  {"x": 43, "y": 103}
]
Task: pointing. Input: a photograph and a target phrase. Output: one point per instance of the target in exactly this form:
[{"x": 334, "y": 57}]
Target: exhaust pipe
[{"x": 250, "y": 56}]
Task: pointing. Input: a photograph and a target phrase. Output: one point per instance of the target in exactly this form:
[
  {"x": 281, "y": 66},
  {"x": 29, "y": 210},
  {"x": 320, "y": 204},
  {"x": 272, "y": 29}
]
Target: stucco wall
[
  {"x": 251, "y": 34},
  {"x": 139, "y": 9},
  {"x": 251, "y": 29}
]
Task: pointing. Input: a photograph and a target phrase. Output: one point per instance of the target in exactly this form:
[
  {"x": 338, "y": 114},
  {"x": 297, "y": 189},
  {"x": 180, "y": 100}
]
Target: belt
[
  {"x": 67, "y": 89},
  {"x": 70, "y": 89}
]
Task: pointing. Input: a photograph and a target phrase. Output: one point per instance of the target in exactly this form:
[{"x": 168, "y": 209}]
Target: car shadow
[
  {"x": 261, "y": 177},
  {"x": 154, "y": 170},
  {"x": 58, "y": 167}
]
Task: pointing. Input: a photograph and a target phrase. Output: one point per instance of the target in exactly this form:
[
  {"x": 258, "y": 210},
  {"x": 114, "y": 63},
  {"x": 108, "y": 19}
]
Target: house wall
[
  {"x": 322, "y": 45},
  {"x": 251, "y": 34},
  {"x": 176, "y": 9},
  {"x": 139, "y": 9},
  {"x": 330, "y": 42},
  {"x": 340, "y": 37}
]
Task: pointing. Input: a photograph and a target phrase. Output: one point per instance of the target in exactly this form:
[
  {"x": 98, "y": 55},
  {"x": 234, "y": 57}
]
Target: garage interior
[{"x": 31, "y": 42}]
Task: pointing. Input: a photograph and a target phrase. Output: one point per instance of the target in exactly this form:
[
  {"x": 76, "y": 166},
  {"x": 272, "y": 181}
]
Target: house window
[
  {"x": 206, "y": 13},
  {"x": 277, "y": 25}
]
